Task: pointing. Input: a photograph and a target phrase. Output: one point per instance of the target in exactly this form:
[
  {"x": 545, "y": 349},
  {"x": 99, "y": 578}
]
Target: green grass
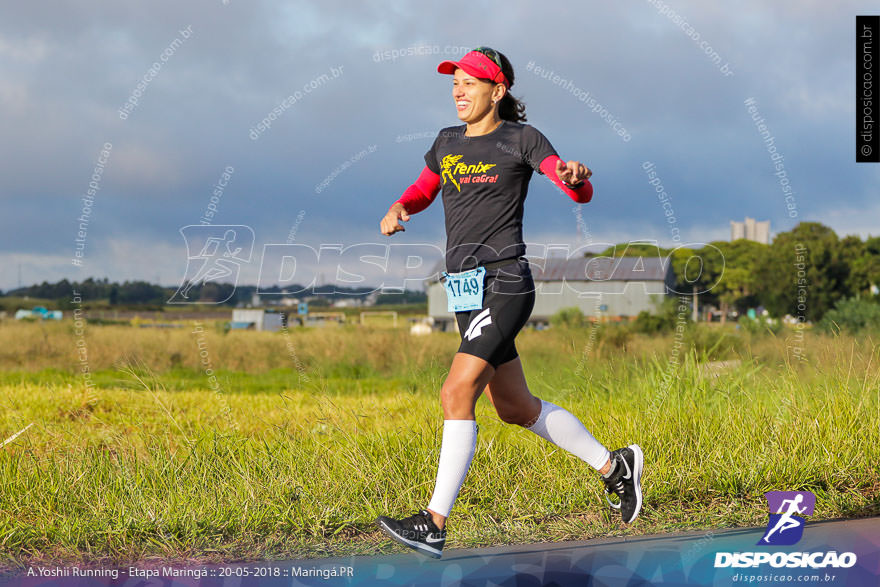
[{"x": 156, "y": 464}]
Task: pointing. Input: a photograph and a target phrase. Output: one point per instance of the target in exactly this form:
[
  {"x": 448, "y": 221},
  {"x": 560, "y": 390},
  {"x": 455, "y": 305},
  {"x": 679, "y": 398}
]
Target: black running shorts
[{"x": 508, "y": 299}]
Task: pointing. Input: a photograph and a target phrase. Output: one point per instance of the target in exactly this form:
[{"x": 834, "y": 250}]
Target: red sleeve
[
  {"x": 581, "y": 195},
  {"x": 419, "y": 195}
]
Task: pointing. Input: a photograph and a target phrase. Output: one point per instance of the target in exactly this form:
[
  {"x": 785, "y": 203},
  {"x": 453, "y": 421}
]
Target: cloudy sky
[{"x": 674, "y": 76}]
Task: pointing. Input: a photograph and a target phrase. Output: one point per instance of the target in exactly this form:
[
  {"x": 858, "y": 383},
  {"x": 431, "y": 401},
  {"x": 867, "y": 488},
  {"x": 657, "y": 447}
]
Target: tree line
[
  {"x": 804, "y": 272},
  {"x": 100, "y": 292}
]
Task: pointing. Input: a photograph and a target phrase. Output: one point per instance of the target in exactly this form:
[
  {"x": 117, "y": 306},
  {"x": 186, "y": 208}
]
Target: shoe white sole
[
  {"x": 638, "y": 466},
  {"x": 417, "y": 546}
]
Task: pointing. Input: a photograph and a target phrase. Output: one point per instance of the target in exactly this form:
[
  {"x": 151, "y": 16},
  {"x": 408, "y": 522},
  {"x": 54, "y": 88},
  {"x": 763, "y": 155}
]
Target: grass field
[{"x": 303, "y": 437}]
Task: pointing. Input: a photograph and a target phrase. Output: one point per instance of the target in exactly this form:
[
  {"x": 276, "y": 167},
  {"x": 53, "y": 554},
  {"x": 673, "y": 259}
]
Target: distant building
[
  {"x": 348, "y": 303},
  {"x": 257, "y": 319},
  {"x": 38, "y": 312},
  {"x": 751, "y": 230},
  {"x": 602, "y": 287}
]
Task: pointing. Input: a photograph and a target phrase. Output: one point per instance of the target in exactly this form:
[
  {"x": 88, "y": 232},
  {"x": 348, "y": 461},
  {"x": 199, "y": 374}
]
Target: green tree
[
  {"x": 850, "y": 250},
  {"x": 864, "y": 266},
  {"x": 807, "y": 262},
  {"x": 729, "y": 273}
]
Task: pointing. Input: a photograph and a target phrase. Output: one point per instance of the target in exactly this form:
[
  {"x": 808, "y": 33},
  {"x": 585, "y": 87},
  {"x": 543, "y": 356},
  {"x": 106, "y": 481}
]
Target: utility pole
[{"x": 696, "y": 309}]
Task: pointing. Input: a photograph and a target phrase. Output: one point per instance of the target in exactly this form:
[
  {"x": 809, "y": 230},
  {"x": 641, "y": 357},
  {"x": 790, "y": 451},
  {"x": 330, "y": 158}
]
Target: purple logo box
[{"x": 775, "y": 499}]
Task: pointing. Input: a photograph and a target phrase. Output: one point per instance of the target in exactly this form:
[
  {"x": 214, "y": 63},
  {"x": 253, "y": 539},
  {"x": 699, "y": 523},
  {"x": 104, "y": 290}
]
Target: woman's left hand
[{"x": 572, "y": 172}]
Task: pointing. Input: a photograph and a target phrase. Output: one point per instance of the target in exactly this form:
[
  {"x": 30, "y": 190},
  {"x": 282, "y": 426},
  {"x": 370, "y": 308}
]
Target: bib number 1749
[{"x": 464, "y": 291}]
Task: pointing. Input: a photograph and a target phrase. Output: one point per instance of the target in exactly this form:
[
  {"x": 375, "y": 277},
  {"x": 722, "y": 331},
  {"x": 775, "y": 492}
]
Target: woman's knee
[{"x": 457, "y": 396}]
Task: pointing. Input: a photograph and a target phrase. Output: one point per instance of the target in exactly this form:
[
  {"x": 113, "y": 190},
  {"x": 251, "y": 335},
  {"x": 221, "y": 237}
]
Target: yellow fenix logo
[{"x": 451, "y": 167}]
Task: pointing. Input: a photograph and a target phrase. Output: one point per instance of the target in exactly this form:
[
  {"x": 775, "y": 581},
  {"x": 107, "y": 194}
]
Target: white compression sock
[
  {"x": 563, "y": 429},
  {"x": 456, "y": 452}
]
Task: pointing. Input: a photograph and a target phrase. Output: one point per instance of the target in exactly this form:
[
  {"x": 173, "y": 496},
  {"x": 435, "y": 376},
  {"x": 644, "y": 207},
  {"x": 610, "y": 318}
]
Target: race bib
[{"x": 464, "y": 291}]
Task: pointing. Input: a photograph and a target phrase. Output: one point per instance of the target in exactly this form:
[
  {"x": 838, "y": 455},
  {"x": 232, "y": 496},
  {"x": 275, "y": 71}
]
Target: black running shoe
[
  {"x": 626, "y": 481},
  {"x": 417, "y": 531}
]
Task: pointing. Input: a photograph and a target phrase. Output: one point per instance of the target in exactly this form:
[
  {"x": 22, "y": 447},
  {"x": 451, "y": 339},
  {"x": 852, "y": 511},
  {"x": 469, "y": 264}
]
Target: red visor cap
[{"x": 477, "y": 65}]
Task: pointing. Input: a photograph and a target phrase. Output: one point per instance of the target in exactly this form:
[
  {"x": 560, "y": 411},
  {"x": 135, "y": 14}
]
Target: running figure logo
[
  {"x": 221, "y": 251},
  {"x": 786, "y": 526},
  {"x": 446, "y": 168}
]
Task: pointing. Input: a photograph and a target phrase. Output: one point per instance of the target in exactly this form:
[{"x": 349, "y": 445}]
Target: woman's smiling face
[{"x": 473, "y": 96}]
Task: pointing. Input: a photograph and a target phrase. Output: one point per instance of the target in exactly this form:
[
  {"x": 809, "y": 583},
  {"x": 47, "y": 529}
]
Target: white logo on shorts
[{"x": 476, "y": 327}]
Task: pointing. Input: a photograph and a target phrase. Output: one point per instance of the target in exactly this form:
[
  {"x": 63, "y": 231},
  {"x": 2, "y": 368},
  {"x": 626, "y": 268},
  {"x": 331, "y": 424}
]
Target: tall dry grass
[{"x": 361, "y": 351}]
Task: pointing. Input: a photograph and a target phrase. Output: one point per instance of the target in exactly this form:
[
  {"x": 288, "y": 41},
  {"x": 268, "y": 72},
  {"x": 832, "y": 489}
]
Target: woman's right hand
[{"x": 390, "y": 224}]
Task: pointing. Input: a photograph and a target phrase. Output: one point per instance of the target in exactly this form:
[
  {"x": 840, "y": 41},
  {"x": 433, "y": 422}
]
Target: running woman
[{"x": 484, "y": 168}]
